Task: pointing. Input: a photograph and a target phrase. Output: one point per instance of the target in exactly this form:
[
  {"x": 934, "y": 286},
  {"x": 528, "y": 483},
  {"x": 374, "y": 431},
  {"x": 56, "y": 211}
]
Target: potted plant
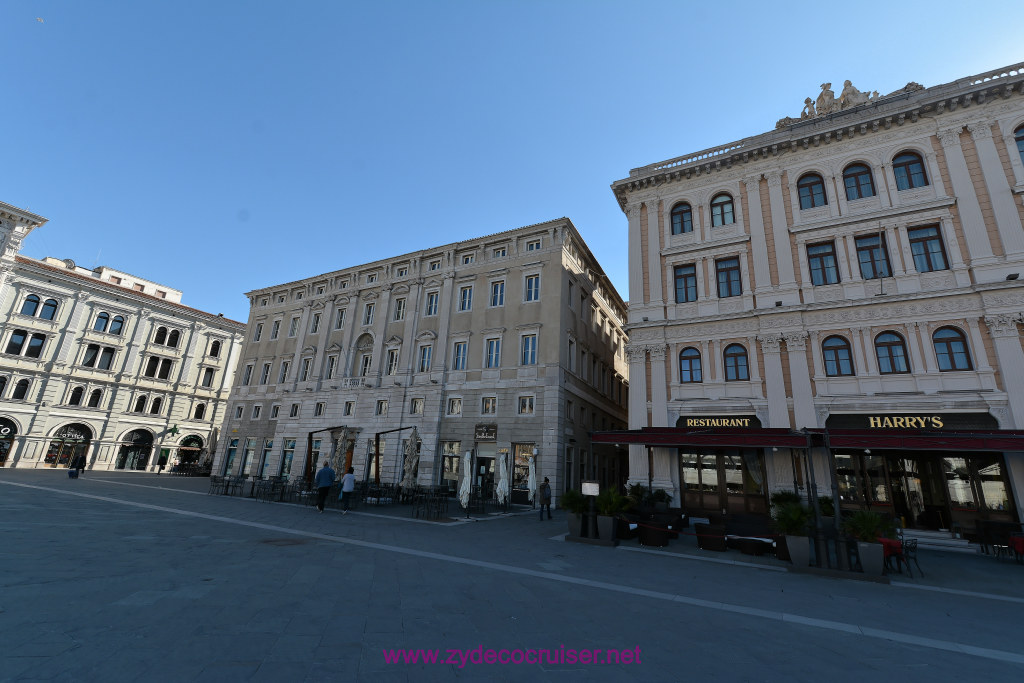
[
  {"x": 827, "y": 506},
  {"x": 867, "y": 527},
  {"x": 661, "y": 498},
  {"x": 610, "y": 504},
  {"x": 575, "y": 503},
  {"x": 792, "y": 521},
  {"x": 785, "y": 497},
  {"x": 639, "y": 496}
]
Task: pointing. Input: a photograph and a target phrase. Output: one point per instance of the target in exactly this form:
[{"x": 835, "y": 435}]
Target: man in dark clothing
[
  {"x": 324, "y": 479},
  {"x": 79, "y": 463},
  {"x": 545, "y": 498}
]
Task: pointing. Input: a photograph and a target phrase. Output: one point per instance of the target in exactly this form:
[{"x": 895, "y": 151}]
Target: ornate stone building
[
  {"x": 848, "y": 285},
  {"x": 103, "y": 363},
  {"x": 498, "y": 345}
]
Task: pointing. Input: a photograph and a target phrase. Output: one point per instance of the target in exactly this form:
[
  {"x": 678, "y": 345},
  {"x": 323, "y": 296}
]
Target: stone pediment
[
  {"x": 334, "y": 347},
  {"x": 309, "y": 349},
  {"x": 394, "y": 340},
  {"x": 426, "y": 334}
]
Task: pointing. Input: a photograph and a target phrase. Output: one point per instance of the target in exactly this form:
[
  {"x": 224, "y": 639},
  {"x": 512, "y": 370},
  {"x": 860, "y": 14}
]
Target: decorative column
[
  {"x": 637, "y": 355},
  {"x": 800, "y": 380},
  {"x": 758, "y": 244},
  {"x": 66, "y": 345},
  {"x": 966, "y": 200},
  {"x": 659, "y": 387},
  {"x": 636, "y": 259},
  {"x": 1007, "y": 219},
  {"x": 778, "y": 408},
  {"x": 657, "y": 297},
  {"x": 780, "y": 232},
  {"x": 1010, "y": 361}
]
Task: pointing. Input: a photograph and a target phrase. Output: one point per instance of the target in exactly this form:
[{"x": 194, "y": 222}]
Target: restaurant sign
[
  {"x": 486, "y": 432},
  {"x": 905, "y": 422},
  {"x": 717, "y": 421}
]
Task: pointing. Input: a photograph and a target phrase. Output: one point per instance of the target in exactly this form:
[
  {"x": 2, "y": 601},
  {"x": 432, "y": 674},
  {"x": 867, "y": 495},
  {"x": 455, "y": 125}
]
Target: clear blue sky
[{"x": 219, "y": 147}]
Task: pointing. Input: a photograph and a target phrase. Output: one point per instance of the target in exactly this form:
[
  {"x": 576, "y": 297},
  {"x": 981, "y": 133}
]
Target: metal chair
[{"x": 910, "y": 553}]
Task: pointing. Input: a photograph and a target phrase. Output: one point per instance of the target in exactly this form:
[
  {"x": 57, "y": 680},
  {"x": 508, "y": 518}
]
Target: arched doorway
[
  {"x": 68, "y": 443},
  {"x": 8, "y": 430},
  {"x": 189, "y": 450},
  {"x": 135, "y": 449}
]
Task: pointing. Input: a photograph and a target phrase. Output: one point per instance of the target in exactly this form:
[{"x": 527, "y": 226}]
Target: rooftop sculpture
[{"x": 850, "y": 97}]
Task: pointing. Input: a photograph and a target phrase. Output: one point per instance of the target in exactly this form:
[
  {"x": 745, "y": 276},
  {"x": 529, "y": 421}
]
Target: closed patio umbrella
[
  {"x": 412, "y": 459},
  {"x": 467, "y": 480},
  {"x": 531, "y": 482},
  {"x": 501, "y": 492}
]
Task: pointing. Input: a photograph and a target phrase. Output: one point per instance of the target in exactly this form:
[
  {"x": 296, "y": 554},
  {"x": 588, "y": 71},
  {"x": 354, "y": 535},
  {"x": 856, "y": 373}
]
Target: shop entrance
[
  {"x": 723, "y": 479},
  {"x": 8, "y": 430},
  {"x": 68, "y": 443},
  {"x": 485, "y": 456},
  {"x": 135, "y": 450}
]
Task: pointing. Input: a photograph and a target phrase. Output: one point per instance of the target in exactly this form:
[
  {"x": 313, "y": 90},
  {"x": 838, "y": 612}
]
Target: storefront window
[
  {"x": 846, "y": 474},
  {"x": 958, "y": 484},
  {"x": 993, "y": 486},
  {"x": 874, "y": 469},
  {"x": 691, "y": 476}
]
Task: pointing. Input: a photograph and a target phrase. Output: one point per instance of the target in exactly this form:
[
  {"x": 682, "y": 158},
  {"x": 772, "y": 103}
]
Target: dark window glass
[
  {"x": 200, "y": 411},
  {"x": 16, "y": 342},
  {"x": 728, "y": 271},
  {"x": 20, "y": 390},
  {"x": 951, "y": 349},
  {"x": 682, "y": 219},
  {"x": 736, "y": 363},
  {"x": 838, "y": 357},
  {"x": 686, "y": 283},
  {"x": 76, "y": 397},
  {"x": 31, "y": 305},
  {"x": 155, "y": 407},
  {"x": 873, "y": 256},
  {"x": 721, "y": 210},
  {"x": 49, "y": 310},
  {"x": 172, "y": 339},
  {"x": 3, "y": 385},
  {"x": 140, "y": 404},
  {"x": 91, "y": 352},
  {"x": 208, "y": 377},
  {"x": 926, "y": 246},
  {"x": 102, "y": 320},
  {"x": 811, "y": 189},
  {"x": 106, "y": 358},
  {"x": 892, "y": 354},
  {"x": 161, "y": 336},
  {"x": 165, "y": 369},
  {"x": 35, "y": 346},
  {"x": 689, "y": 366},
  {"x": 116, "y": 325},
  {"x": 857, "y": 178},
  {"x": 1019, "y": 137},
  {"x": 909, "y": 171},
  {"x": 215, "y": 349},
  {"x": 94, "y": 398},
  {"x": 822, "y": 260},
  {"x": 151, "y": 367}
]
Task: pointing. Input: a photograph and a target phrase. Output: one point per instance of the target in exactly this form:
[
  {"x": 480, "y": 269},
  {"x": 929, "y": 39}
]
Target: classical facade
[
  {"x": 848, "y": 285},
  {"x": 506, "y": 345},
  {"x": 103, "y": 363}
]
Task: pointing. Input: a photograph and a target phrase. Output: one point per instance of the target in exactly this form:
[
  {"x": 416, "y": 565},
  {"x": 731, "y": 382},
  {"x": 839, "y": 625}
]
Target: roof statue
[{"x": 850, "y": 97}]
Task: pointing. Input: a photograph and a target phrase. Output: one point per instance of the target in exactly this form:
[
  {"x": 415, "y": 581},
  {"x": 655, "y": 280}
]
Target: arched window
[
  {"x": 3, "y": 385},
  {"x": 838, "y": 357},
  {"x": 859, "y": 185},
  {"x": 117, "y": 325},
  {"x": 682, "y": 218},
  {"x": 214, "y": 349},
  {"x": 161, "y": 335},
  {"x": 31, "y": 305},
  {"x": 76, "y": 397},
  {"x": 172, "y": 339},
  {"x": 689, "y": 366},
  {"x": 951, "y": 349},
  {"x": 140, "y": 404},
  {"x": 94, "y": 398},
  {"x": 165, "y": 369},
  {"x": 49, "y": 309},
  {"x": 16, "y": 342},
  {"x": 154, "y": 407},
  {"x": 811, "y": 189},
  {"x": 20, "y": 390},
  {"x": 102, "y": 320},
  {"x": 200, "y": 411},
  {"x": 892, "y": 354},
  {"x": 736, "y": 363},
  {"x": 721, "y": 210},
  {"x": 909, "y": 170},
  {"x": 1018, "y": 135}
]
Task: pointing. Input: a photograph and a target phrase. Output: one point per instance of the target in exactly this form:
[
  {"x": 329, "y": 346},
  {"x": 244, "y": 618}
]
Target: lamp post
[
  {"x": 841, "y": 557},
  {"x": 812, "y": 494}
]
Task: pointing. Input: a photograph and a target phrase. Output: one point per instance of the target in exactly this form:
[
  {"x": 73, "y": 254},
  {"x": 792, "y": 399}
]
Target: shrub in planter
[
  {"x": 639, "y": 496},
  {"x": 793, "y": 521},
  {"x": 867, "y": 527},
  {"x": 827, "y": 506},
  {"x": 784, "y": 497},
  {"x": 575, "y": 503},
  {"x": 610, "y": 503},
  {"x": 661, "y": 498}
]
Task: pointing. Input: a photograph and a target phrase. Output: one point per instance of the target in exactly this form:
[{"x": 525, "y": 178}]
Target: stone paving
[{"x": 124, "y": 577}]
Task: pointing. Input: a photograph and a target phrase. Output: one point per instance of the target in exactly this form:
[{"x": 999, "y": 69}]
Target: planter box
[
  {"x": 606, "y": 528},
  {"x": 799, "y": 548},
  {"x": 575, "y": 524},
  {"x": 872, "y": 558}
]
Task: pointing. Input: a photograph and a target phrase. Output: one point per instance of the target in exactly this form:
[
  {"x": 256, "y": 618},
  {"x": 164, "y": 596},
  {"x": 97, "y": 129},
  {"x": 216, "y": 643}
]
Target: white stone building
[
  {"x": 855, "y": 273},
  {"x": 497, "y": 345},
  {"x": 103, "y": 363}
]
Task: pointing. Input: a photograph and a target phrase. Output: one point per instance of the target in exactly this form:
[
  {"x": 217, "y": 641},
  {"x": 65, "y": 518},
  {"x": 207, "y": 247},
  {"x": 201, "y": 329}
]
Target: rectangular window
[
  {"x": 256, "y": 412},
  {"x": 435, "y": 265},
  {"x": 275, "y": 329},
  {"x": 467, "y": 259},
  {"x": 728, "y": 271},
  {"x": 298, "y": 295},
  {"x": 873, "y": 256},
  {"x": 365, "y": 361},
  {"x": 489, "y": 405},
  {"x": 570, "y": 296},
  {"x": 399, "y": 309},
  {"x": 392, "y": 365},
  {"x": 258, "y": 333},
  {"x": 431, "y": 308},
  {"x": 533, "y": 245},
  {"x": 499, "y": 252},
  {"x": 314, "y": 454},
  {"x": 926, "y": 246},
  {"x": 116, "y": 280},
  {"x": 306, "y": 364},
  {"x": 350, "y": 407},
  {"x": 572, "y": 356},
  {"x": 106, "y": 358},
  {"x": 533, "y": 288},
  {"x": 526, "y": 405},
  {"x": 339, "y": 321},
  {"x": 425, "y": 353},
  {"x": 294, "y": 410},
  {"x": 402, "y": 272},
  {"x": 498, "y": 293},
  {"x": 529, "y": 355},
  {"x": 139, "y": 288},
  {"x": 417, "y": 406},
  {"x": 493, "y": 359},
  {"x": 686, "y": 283},
  {"x": 274, "y": 412},
  {"x": 246, "y": 376},
  {"x": 92, "y": 351},
  {"x": 371, "y": 278},
  {"x": 465, "y": 298},
  {"x": 287, "y": 454},
  {"x": 283, "y": 375},
  {"x": 319, "y": 290},
  {"x": 382, "y": 408},
  {"x": 821, "y": 258},
  {"x": 459, "y": 356},
  {"x": 368, "y": 314},
  {"x": 268, "y": 446},
  {"x": 569, "y": 415},
  {"x": 238, "y": 412},
  {"x": 265, "y": 373},
  {"x": 249, "y": 455},
  {"x": 315, "y": 325},
  {"x": 332, "y": 364},
  {"x": 293, "y": 327},
  {"x": 455, "y": 406},
  {"x": 319, "y": 409}
]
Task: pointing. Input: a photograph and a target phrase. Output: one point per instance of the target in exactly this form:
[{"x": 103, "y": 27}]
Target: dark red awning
[
  {"x": 913, "y": 440},
  {"x": 671, "y": 436}
]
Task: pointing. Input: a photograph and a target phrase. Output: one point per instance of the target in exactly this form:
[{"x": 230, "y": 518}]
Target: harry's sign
[{"x": 904, "y": 422}]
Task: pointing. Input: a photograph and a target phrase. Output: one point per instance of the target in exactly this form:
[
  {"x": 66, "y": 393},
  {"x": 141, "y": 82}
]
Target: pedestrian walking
[
  {"x": 80, "y": 463},
  {"x": 324, "y": 479},
  {"x": 348, "y": 487},
  {"x": 544, "y": 493}
]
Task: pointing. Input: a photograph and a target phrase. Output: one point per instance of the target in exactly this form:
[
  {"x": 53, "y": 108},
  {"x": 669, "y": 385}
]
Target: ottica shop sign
[{"x": 905, "y": 422}]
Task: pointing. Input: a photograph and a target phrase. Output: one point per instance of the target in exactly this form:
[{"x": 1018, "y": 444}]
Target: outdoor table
[{"x": 891, "y": 547}]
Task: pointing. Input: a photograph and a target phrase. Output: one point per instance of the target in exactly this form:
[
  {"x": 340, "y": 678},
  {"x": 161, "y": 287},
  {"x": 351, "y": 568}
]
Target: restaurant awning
[
  {"x": 674, "y": 437},
  {"x": 923, "y": 440}
]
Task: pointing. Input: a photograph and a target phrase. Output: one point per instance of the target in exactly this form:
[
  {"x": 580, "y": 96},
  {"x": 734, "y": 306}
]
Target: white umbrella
[
  {"x": 412, "y": 459},
  {"x": 531, "y": 483},
  {"x": 467, "y": 481},
  {"x": 501, "y": 493}
]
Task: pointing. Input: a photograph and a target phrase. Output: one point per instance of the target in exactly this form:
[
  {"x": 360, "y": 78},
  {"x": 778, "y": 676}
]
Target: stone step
[{"x": 940, "y": 540}]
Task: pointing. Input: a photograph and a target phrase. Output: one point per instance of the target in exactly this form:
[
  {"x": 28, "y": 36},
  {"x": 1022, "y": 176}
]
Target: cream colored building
[
  {"x": 104, "y": 363},
  {"x": 497, "y": 345},
  {"x": 854, "y": 272}
]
